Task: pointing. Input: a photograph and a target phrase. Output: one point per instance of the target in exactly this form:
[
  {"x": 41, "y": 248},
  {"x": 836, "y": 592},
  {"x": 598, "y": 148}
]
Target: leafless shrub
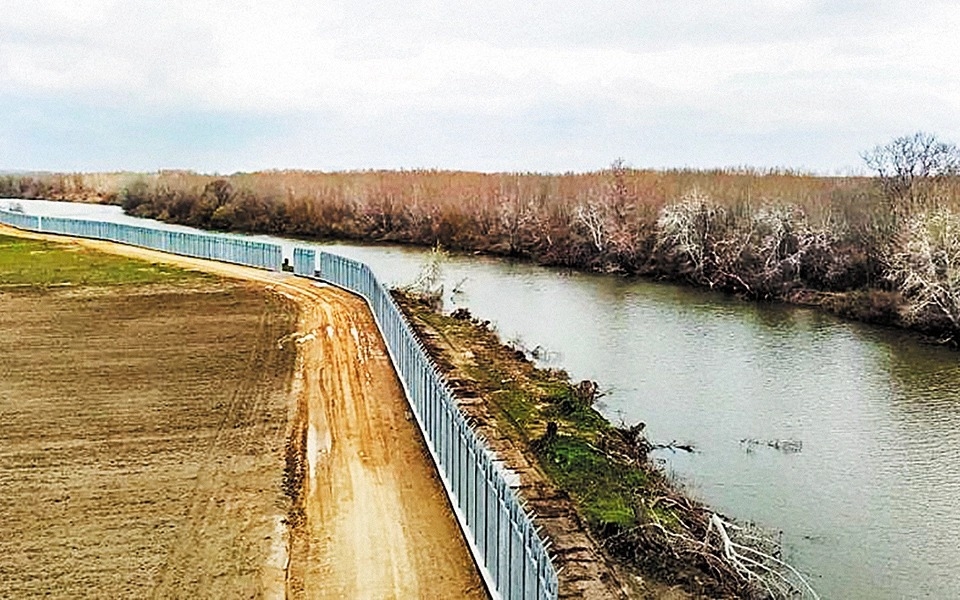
[
  {"x": 924, "y": 262},
  {"x": 761, "y": 254},
  {"x": 428, "y": 285},
  {"x": 688, "y": 231},
  {"x": 591, "y": 216}
]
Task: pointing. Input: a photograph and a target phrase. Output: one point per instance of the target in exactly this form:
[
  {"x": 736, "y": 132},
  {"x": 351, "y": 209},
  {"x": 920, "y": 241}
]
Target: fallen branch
[
  {"x": 778, "y": 579},
  {"x": 674, "y": 445}
]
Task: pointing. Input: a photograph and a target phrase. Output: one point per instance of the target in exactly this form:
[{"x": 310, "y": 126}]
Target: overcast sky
[{"x": 505, "y": 85}]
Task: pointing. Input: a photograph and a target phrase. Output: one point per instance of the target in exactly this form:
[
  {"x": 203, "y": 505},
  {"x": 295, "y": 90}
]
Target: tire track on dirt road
[{"x": 375, "y": 520}]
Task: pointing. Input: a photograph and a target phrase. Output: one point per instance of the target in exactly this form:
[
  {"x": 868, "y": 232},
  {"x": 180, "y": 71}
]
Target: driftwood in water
[
  {"x": 785, "y": 446},
  {"x": 675, "y": 445}
]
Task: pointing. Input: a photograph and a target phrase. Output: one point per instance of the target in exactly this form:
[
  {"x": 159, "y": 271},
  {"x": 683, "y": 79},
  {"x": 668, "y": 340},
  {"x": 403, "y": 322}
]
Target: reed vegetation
[{"x": 781, "y": 235}]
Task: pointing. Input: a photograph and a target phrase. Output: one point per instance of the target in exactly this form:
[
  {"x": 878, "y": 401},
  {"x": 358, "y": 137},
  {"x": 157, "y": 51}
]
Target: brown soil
[
  {"x": 140, "y": 442},
  {"x": 148, "y": 440},
  {"x": 376, "y": 523}
]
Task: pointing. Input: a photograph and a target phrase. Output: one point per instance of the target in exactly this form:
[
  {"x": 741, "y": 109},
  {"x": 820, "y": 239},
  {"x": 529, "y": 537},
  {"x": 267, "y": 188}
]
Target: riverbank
[
  {"x": 844, "y": 244},
  {"x": 618, "y": 526}
]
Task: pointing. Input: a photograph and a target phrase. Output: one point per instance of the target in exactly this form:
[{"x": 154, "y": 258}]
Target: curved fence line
[
  {"x": 512, "y": 557},
  {"x": 197, "y": 245},
  {"x": 502, "y": 537}
]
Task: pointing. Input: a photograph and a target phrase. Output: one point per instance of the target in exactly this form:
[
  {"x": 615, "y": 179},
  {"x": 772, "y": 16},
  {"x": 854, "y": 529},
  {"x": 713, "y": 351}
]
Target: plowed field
[{"x": 141, "y": 450}]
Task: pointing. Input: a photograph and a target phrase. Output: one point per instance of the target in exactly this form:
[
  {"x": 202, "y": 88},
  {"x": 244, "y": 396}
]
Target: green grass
[
  {"x": 604, "y": 488},
  {"x": 26, "y": 263}
]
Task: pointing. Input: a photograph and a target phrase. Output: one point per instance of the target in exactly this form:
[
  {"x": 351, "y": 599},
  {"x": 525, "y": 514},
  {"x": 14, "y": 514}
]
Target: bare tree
[
  {"x": 761, "y": 255},
  {"x": 688, "y": 231},
  {"x": 621, "y": 198},
  {"x": 592, "y": 217},
  {"x": 606, "y": 215},
  {"x": 781, "y": 237},
  {"x": 515, "y": 218},
  {"x": 755, "y": 558},
  {"x": 908, "y": 162}
]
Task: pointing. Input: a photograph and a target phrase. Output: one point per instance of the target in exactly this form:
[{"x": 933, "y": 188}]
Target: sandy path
[{"x": 374, "y": 522}]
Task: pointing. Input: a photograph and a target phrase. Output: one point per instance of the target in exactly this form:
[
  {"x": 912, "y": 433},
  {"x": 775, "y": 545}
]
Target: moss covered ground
[{"x": 580, "y": 450}]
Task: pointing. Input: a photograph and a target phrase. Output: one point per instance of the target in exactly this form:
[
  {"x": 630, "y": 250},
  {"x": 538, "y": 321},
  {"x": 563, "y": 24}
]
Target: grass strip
[{"x": 39, "y": 264}]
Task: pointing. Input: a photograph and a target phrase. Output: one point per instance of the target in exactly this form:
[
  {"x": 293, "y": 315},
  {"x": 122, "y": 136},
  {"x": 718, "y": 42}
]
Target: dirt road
[
  {"x": 370, "y": 520},
  {"x": 376, "y": 522}
]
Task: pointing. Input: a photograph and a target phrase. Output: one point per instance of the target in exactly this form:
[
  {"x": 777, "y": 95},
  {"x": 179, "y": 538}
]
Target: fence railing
[
  {"x": 502, "y": 537},
  {"x": 198, "y": 245}
]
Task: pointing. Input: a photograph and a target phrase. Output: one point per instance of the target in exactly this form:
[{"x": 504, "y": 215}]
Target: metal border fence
[
  {"x": 20, "y": 220},
  {"x": 197, "y": 245},
  {"x": 304, "y": 262},
  {"x": 502, "y": 537}
]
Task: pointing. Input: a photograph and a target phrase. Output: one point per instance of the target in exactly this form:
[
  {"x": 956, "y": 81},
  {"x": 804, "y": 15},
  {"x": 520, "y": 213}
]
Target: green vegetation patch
[
  {"x": 36, "y": 264},
  {"x": 636, "y": 513},
  {"x": 605, "y": 489}
]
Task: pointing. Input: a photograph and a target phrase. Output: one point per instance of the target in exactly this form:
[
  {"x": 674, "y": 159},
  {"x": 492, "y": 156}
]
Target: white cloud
[{"x": 748, "y": 67}]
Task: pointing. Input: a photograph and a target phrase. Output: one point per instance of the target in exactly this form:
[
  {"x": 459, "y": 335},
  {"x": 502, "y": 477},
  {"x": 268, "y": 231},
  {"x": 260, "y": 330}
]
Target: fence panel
[{"x": 20, "y": 220}]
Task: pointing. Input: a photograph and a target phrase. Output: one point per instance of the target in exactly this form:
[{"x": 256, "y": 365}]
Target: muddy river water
[{"x": 866, "y": 492}]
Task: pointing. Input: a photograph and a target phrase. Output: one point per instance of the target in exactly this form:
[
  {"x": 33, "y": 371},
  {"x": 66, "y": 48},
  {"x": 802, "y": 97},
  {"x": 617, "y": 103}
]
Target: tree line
[{"x": 882, "y": 248}]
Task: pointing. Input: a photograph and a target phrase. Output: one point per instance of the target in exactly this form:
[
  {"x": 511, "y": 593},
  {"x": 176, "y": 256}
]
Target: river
[{"x": 869, "y": 507}]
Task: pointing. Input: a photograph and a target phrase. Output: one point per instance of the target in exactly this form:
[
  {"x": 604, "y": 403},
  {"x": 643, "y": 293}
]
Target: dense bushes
[
  {"x": 925, "y": 264},
  {"x": 764, "y": 254},
  {"x": 764, "y": 235}
]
